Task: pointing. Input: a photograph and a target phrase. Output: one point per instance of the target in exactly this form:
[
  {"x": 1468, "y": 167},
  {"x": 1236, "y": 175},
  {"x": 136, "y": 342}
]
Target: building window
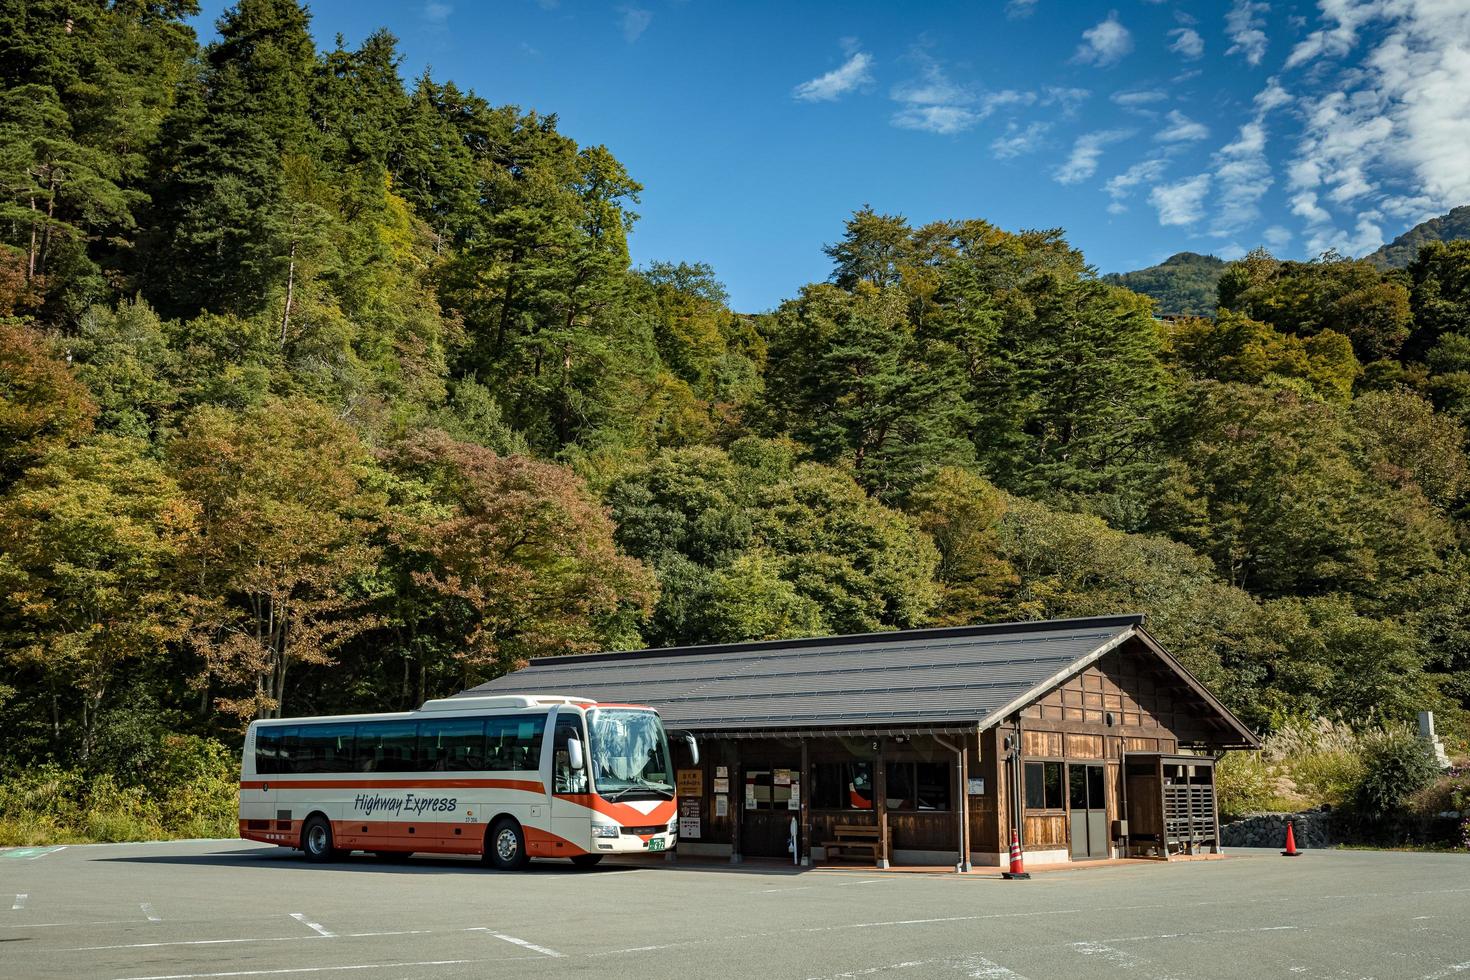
[
  {"x": 842, "y": 786},
  {"x": 1043, "y": 786},
  {"x": 911, "y": 785}
]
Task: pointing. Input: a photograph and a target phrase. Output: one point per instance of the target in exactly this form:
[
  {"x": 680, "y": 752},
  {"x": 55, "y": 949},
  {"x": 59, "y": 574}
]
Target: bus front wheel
[
  {"x": 316, "y": 840},
  {"x": 505, "y": 846}
]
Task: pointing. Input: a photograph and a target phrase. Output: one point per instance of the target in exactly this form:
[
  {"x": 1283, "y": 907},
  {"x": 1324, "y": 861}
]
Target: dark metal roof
[{"x": 972, "y": 676}]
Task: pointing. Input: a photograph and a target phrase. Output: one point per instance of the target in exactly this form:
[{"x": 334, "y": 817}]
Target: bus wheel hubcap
[
  {"x": 318, "y": 840},
  {"x": 505, "y": 844}
]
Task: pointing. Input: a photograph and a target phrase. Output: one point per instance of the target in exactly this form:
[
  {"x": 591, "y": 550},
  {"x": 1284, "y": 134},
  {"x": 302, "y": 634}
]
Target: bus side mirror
[
  {"x": 691, "y": 745},
  {"x": 574, "y": 753}
]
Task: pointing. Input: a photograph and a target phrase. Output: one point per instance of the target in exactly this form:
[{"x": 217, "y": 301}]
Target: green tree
[
  {"x": 91, "y": 542},
  {"x": 1232, "y": 347},
  {"x": 1271, "y": 487},
  {"x": 874, "y": 248},
  {"x": 850, "y": 380},
  {"x": 222, "y": 224},
  {"x": 1439, "y": 293},
  {"x": 1349, "y": 296},
  {"x": 961, "y": 513}
]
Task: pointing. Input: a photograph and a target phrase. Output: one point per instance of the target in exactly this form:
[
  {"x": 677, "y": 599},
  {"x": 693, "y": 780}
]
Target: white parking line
[
  {"x": 46, "y": 852},
  {"x": 20, "y": 902},
  {"x": 524, "y": 944},
  {"x": 1448, "y": 971},
  {"x": 314, "y": 926},
  {"x": 148, "y": 911},
  {"x": 304, "y": 969}
]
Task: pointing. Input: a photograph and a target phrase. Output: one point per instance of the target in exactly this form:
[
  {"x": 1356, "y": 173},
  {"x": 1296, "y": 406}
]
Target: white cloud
[
  {"x": 635, "y": 21},
  {"x": 1230, "y": 252},
  {"x": 1242, "y": 170},
  {"x": 838, "y": 82},
  {"x": 934, "y": 88},
  {"x": 1304, "y": 205},
  {"x": 1187, "y": 42},
  {"x": 1181, "y": 129},
  {"x": 1366, "y": 236},
  {"x": 1105, "y": 43},
  {"x": 1133, "y": 99},
  {"x": 1120, "y": 187},
  {"x": 934, "y": 103},
  {"x": 1181, "y": 203},
  {"x": 1006, "y": 98},
  {"x": 1273, "y": 96},
  {"x": 1088, "y": 148},
  {"x": 1336, "y": 40},
  {"x": 1018, "y": 141},
  {"x": 1245, "y": 28},
  {"x": 945, "y": 120},
  {"x": 1017, "y": 9},
  {"x": 436, "y": 12},
  {"x": 1070, "y": 99},
  {"x": 1277, "y": 237}
]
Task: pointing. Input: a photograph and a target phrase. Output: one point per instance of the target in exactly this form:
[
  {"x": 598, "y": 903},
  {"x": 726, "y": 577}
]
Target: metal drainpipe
[{"x": 962, "y": 804}]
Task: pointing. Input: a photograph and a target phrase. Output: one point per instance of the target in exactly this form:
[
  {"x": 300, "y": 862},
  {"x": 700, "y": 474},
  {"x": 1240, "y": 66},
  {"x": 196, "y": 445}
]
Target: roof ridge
[{"x": 1121, "y": 620}]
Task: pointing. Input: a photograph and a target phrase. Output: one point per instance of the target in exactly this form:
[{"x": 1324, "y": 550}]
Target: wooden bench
[{"x": 854, "y": 837}]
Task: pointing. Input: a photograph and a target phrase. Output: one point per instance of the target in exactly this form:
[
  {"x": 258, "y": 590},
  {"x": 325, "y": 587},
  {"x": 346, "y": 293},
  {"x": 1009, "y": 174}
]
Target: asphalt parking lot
[{"x": 233, "y": 909}]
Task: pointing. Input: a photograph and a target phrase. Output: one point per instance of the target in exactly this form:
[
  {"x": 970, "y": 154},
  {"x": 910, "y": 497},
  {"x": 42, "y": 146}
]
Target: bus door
[{"x": 570, "y": 814}]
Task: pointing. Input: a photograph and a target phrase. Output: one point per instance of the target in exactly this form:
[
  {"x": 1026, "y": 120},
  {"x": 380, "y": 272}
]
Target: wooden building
[{"x": 929, "y": 746}]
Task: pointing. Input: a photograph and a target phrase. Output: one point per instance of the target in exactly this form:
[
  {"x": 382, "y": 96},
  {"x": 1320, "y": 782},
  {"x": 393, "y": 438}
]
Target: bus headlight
[
  {"x": 673, "y": 827},
  {"x": 605, "y": 830}
]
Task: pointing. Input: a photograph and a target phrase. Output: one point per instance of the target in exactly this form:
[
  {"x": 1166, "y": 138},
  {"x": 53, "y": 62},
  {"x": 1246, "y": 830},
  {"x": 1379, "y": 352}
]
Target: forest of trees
[{"x": 323, "y": 390}]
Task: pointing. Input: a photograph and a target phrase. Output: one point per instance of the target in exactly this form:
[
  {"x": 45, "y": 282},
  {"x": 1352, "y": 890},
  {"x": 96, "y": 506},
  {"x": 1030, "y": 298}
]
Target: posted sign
[{"x": 691, "y": 783}]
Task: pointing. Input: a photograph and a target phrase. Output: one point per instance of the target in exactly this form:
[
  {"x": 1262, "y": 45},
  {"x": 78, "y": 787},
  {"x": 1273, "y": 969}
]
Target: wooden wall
[{"x": 1152, "y": 711}]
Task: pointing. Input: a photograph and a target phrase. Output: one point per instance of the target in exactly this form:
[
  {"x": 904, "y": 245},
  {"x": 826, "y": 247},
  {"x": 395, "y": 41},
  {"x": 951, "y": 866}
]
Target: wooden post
[
  {"x": 737, "y": 801},
  {"x": 964, "y": 805},
  {"x": 804, "y": 820},
  {"x": 880, "y": 789}
]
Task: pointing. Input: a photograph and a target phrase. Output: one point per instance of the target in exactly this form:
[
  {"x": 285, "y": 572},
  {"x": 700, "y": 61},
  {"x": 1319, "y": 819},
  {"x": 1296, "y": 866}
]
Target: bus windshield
[{"x": 630, "y": 755}]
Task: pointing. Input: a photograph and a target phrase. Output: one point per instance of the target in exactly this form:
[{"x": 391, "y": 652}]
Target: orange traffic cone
[
  {"x": 1018, "y": 866},
  {"x": 1291, "y": 850}
]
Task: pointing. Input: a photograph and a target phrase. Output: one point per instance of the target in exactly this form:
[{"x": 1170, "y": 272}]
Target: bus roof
[{"x": 464, "y": 705}]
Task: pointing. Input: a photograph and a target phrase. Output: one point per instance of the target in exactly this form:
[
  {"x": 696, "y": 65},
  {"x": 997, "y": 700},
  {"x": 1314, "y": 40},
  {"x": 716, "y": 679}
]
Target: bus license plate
[{"x": 656, "y": 844}]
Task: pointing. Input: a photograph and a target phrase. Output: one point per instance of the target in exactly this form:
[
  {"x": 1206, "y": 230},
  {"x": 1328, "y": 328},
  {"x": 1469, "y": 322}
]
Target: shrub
[
  {"x": 1243, "y": 784},
  {"x": 1396, "y": 765},
  {"x": 191, "y": 793}
]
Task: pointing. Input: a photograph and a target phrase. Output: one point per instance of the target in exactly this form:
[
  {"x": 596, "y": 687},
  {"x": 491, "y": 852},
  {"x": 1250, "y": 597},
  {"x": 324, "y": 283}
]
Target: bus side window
[
  {"x": 286, "y": 750},
  {"x": 513, "y": 743},
  {"x": 565, "y": 779},
  {"x": 386, "y": 746},
  {"x": 454, "y": 744},
  {"x": 267, "y": 750},
  {"x": 324, "y": 748}
]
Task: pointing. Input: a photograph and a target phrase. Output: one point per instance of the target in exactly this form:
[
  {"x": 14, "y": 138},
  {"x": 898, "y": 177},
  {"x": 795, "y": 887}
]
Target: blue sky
[{"x": 1142, "y": 128}]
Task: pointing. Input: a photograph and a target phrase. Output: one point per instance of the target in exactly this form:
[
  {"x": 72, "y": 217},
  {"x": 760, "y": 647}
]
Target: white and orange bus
[{"x": 506, "y": 777}]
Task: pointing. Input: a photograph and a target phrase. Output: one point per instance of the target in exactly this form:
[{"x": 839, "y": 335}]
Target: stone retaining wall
[{"x": 1311, "y": 829}]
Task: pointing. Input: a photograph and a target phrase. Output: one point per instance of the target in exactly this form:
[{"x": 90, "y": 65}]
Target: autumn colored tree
[
  {"x": 510, "y": 559},
  {"x": 42, "y": 404},
  {"x": 283, "y": 543}
]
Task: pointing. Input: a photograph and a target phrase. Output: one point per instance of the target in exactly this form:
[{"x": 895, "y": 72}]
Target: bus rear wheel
[
  {"x": 586, "y": 860},
  {"x": 505, "y": 846},
  {"x": 316, "y": 840}
]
